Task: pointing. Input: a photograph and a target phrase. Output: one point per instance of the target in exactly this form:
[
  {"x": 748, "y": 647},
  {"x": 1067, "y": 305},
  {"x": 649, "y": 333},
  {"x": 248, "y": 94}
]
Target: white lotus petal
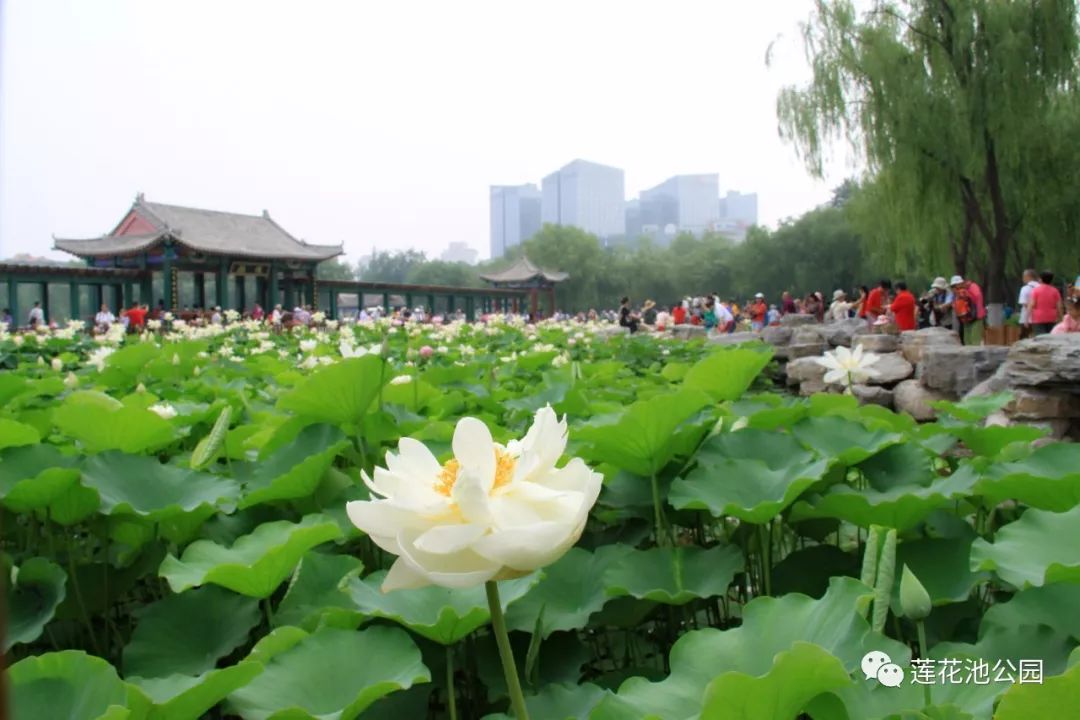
[
  {"x": 444, "y": 539},
  {"x": 475, "y": 451}
]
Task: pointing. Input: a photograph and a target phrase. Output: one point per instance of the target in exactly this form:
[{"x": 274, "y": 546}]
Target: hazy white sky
[{"x": 380, "y": 123}]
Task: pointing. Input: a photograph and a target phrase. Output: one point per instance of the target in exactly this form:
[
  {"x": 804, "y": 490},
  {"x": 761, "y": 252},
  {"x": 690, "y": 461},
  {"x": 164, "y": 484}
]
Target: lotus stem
[
  {"x": 451, "y": 698},
  {"x": 506, "y": 653},
  {"x": 658, "y": 511},
  {"x": 921, "y": 628}
]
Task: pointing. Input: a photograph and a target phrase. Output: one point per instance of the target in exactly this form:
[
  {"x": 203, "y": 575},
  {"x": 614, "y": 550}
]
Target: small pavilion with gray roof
[
  {"x": 243, "y": 254},
  {"x": 525, "y": 275}
]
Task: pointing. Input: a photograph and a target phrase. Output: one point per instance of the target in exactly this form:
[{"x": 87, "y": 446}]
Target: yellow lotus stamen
[{"x": 504, "y": 472}]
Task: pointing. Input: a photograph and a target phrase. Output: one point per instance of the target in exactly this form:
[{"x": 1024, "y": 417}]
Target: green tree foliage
[
  {"x": 440, "y": 272},
  {"x": 965, "y": 113},
  {"x": 392, "y": 267},
  {"x": 335, "y": 270}
]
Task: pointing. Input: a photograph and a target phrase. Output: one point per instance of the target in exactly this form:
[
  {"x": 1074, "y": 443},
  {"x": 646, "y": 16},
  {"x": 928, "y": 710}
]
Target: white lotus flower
[
  {"x": 309, "y": 362},
  {"x": 140, "y": 388},
  {"x": 165, "y": 411},
  {"x": 848, "y": 366},
  {"x": 401, "y": 380},
  {"x": 176, "y": 359},
  {"x": 40, "y": 361},
  {"x": 308, "y": 345},
  {"x": 71, "y": 382},
  {"x": 490, "y": 513},
  {"x": 348, "y": 351},
  {"x": 97, "y": 357}
]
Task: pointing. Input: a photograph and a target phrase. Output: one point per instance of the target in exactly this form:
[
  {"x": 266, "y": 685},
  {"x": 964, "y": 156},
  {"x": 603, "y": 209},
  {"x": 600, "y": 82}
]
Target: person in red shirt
[
  {"x": 678, "y": 314},
  {"x": 1045, "y": 305},
  {"x": 903, "y": 308},
  {"x": 874, "y": 307},
  {"x": 136, "y": 316},
  {"x": 758, "y": 311}
]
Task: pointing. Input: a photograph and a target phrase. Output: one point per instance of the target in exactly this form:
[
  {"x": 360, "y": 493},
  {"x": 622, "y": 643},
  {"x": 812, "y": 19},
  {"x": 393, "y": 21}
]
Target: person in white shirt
[
  {"x": 1031, "y": 281},
  {"x": 840, "y": 306},
  {"x": 275, "y": 315},
  {"x": 104, "y": 319},
  {"x": 215, "y": 316},
  {"x": 725, "y": 321},
  {"x": 37, "y": 316}
]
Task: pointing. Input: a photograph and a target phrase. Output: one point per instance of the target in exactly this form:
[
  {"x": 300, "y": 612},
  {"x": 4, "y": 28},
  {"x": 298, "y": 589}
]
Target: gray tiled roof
[
  {"x": 523, "y": 270},
  {"x": 207, "y": 231}
]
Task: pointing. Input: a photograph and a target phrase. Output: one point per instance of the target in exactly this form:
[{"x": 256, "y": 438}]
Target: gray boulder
[
  {"x": 777, "y": 335},
  {"x": 688, "y": 332},
  {"x": 873, "y": 395},
  {"x": 1032, "y": 404},
  {"x": 957, "y": 369},
  {"x": 912, "y": 397},
  {"x": 805, "y": 369},
  {"x": 1046, "y": 361},
  {"x": 992, "y": 385},
  {"x": 891, "y": 368},
  {"x": 803, "y": 350},
  {"x": 807, "y": 334},
  {"x": 734, "y": 338},
  {"x": 797, "y": 319},
  {"x": 914, "y": 342},
  {"x": 842, "y": 332},
  {"x": 877, "y": 343}
]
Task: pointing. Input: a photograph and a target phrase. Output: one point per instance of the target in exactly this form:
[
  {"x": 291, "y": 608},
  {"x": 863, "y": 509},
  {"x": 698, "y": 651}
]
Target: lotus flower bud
[{"x": 914, "y": 600}]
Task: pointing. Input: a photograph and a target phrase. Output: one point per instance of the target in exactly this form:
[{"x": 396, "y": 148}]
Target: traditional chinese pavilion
[
  {"x": 524, "y": 275},
  {"x": 167, "y": 239},
  {"x": 227, "y": 259}
]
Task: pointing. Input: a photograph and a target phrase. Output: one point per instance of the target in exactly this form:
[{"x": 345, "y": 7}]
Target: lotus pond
[{"x": 177, "y": 546}]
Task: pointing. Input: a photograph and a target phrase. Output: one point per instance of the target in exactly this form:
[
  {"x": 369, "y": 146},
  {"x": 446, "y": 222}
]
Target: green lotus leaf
[
  {"x": 1051, "y": 605},
  {"x": 1048, "y": 479},
  {"x": 571, "y": 590},
  {"x": 140, "y": 485},
  {"x": 11, "y": 386},
  {"x": 641, "y": 440},
  {"x": 340, "y": 393},
  {"x": 256, "y": 563},
  {"x": 835, "y": 623},
  {"x": 14, "y": 434},
  {"x": 810, "y": 569},
  {"x": 33, "y": 477},
  {"x": 1002, "y": 645},
  {"x": 1046, "y": 700},
  {"x": 187, "y": 634},
  {"x": 444, "y": 615},
  {"x": 797, "y": 676},
  {"x": 750, "y": 474},
  {"x": 942, "y": 565},
  {"x": 182, "y": 697},
  {"x": 293, "y": 470},
  {"x": 674, "y": 575},
  {"x": 901, "y": 465},
  {"x": 101, "y": 425},
  {"x": 1040, "y": 548},
  {"x": 37, "y": 588},
  {"x": 727, "y": 373},
  {"x": 317, "y": 590},
  {"x": 848, "y": 441},
  {"x": 560, "y": 701},
  {"x": 901, "y": 507},
  {"x": 332, "y": 674},
  {"x": 415, "y": 395},
  {"x": 990, "y": 441},
  {"x": 70, "y": 685}
]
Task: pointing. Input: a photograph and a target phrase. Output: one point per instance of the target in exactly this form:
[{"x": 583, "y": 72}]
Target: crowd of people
[{"x": 957, "y": 304}]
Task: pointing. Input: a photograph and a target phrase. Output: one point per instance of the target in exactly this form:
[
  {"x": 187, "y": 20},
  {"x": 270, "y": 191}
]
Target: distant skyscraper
[
  {"x": 515, "y": 216},
  {"x": 633, "y": 219},
  {"x": 458, "y": 251},
  {"x": 687, "y": 202},
  {"x": 741, "y": 208},
  {"x": 586, "y": 195}
]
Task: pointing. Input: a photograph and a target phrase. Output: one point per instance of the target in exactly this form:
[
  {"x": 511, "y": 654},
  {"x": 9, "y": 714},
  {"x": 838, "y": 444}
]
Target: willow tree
[{"x": 960, "y": 111}]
